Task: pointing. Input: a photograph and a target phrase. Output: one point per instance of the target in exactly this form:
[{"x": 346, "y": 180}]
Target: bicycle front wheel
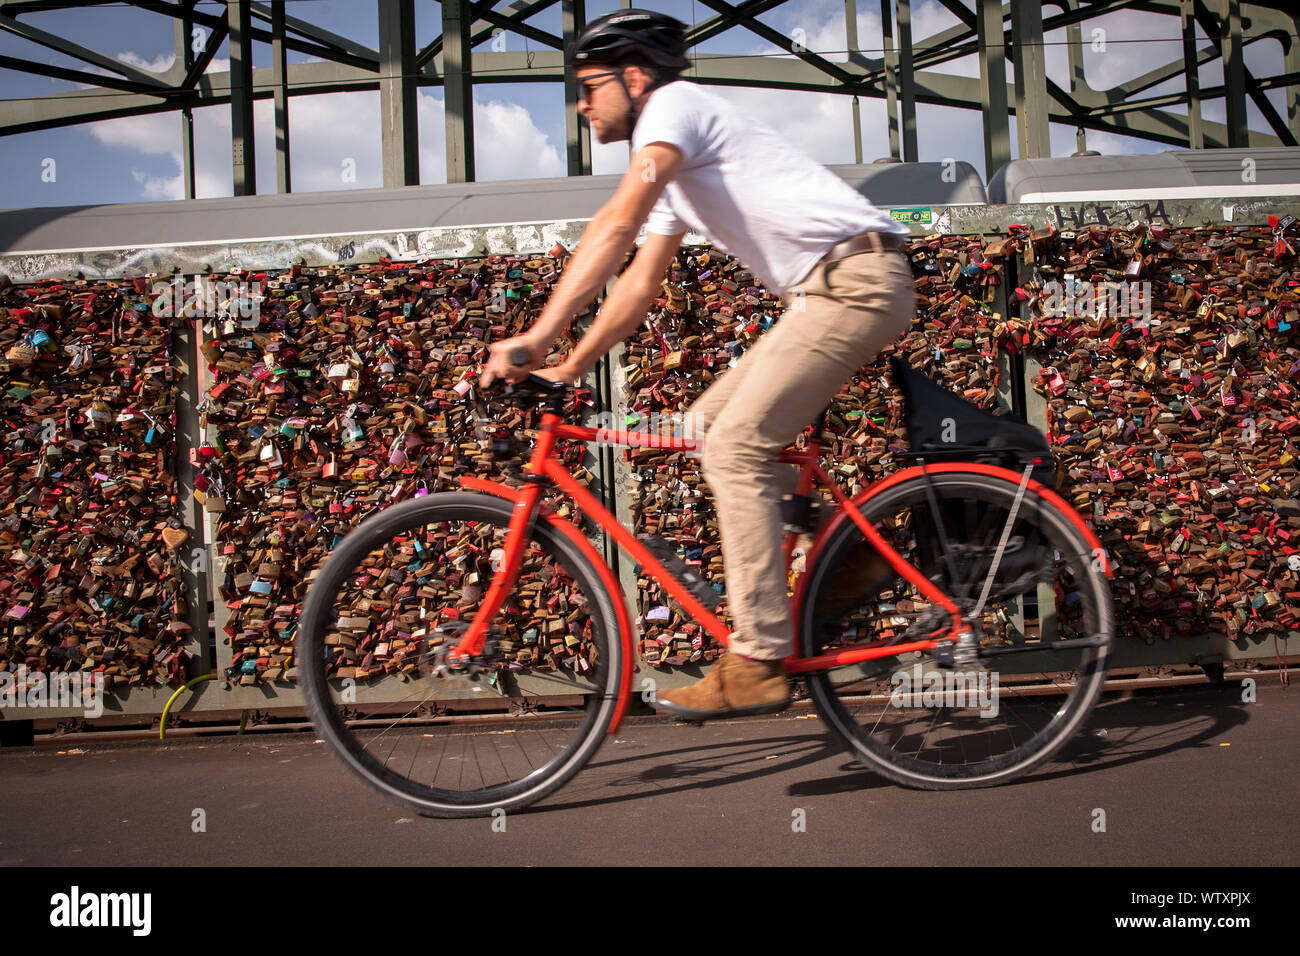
[
  {"x": 395, "y": 595},
  {"x": 1042, "y": 618}
]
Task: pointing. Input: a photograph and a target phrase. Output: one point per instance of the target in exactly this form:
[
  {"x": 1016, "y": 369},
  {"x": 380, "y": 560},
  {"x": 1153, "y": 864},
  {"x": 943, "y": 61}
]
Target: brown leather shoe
[{"x": 735, "y": 687}]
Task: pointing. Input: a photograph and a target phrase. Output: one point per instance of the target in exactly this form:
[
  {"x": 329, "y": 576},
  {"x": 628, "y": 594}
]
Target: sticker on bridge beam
[{"x": 913, "y": 217}]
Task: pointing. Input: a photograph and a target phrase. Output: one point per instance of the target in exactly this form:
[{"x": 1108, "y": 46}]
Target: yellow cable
[{"x": 162, "y": 723}]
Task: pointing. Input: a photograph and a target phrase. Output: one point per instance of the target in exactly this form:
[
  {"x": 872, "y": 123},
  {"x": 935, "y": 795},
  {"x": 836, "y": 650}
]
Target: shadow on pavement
[{"x": 1121, "y": 730}]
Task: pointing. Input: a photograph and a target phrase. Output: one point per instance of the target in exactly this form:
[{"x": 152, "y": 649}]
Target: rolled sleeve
[{"x": 662, "y": 221}]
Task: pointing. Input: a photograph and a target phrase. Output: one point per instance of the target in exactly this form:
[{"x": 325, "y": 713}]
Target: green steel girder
[
  {"x": 519, "y": 12},
  {"x": 348, "y": 65},
  {"x": 784, "y": 42},
  {"x": 721, "y": 22}
]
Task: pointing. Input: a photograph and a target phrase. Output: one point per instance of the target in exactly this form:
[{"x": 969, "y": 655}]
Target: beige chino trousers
[{"x": 836, "y": 321}]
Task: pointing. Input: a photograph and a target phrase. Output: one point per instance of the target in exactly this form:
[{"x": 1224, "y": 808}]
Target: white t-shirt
[{"x": 747, "y": 189}]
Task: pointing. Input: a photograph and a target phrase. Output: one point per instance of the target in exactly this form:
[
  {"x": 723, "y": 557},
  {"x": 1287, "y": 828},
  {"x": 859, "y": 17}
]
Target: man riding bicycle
[{"x": 700, "y": 163}]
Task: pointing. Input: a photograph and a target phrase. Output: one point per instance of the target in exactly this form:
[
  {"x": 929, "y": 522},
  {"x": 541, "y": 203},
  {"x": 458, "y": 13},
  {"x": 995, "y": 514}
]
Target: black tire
[
  {"x": 571, "y": 722},
  {"x": 971, "y": 747}
]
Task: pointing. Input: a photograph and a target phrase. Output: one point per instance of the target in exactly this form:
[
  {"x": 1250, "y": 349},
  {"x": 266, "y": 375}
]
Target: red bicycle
[{"x": 468, "y": 651}]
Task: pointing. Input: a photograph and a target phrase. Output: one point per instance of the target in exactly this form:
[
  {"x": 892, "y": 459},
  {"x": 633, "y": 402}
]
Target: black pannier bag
[
  {"x": 938, "y": 420},
  {"x": 944, "y": 423}
]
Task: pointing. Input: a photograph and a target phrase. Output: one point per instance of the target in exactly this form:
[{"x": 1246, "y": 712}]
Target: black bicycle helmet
[
  {"x": 661, "y": 39},
  {"x": 629, "y": 35}
]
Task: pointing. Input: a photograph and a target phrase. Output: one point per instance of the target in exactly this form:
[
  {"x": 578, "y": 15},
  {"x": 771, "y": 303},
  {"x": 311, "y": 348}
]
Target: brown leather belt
[{"x": 866, "y": 242}]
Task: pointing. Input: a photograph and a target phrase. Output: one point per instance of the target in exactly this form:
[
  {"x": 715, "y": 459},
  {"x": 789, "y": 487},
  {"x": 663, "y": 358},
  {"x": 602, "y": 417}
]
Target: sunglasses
[{"x": 586, "y": 87}]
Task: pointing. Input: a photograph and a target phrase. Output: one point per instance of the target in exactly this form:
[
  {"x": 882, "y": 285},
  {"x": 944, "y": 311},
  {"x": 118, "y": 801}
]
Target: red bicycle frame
[{"x": 544, "y": 468}]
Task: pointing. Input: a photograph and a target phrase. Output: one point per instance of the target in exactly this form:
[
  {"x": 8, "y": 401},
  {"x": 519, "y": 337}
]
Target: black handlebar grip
[{"x": 519, "y": 356}]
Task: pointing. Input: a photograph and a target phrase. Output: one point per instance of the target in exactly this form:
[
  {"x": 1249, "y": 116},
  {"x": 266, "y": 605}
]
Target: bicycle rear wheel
[
  {"x": 938, "y": 727},
  {"x": 395, "y": 596}
]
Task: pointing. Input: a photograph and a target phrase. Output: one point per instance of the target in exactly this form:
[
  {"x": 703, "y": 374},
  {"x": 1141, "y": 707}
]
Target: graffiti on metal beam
[
  {"x": 407, "y": 246},
  {"x": 1110, "y": 214}
]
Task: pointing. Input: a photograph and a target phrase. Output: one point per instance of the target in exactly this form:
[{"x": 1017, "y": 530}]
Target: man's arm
[
  {"x": 626, "y": 306},
  {"x": 605, "y": 242}
]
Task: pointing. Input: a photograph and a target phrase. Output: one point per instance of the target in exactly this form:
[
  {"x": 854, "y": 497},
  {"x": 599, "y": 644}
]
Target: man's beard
[{"x": 615, "y": 131}]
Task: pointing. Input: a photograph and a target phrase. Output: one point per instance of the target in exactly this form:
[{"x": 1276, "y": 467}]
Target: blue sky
[{"x": 520, "y": 128}]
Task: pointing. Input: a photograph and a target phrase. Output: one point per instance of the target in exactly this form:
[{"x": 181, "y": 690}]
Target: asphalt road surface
[{"x": 1184, "y": 777}]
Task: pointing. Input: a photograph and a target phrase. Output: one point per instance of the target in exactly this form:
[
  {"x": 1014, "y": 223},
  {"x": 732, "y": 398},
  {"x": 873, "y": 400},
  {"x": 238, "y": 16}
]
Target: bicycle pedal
[
  {"x": 667, "y": 554},
  {"x": 945, "y": 655}
]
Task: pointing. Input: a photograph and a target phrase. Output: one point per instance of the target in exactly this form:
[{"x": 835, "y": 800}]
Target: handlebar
[{"x": 534, "y": 386}]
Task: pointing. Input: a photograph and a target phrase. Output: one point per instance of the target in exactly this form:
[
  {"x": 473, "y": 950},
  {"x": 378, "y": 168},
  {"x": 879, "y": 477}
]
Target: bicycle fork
[
  {"x": 518, "y": 534},
  {"x": 526, "y": 510}
]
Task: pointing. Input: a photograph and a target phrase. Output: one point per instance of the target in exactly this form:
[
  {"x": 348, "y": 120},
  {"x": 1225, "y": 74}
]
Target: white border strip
[
  {"x": 310, "y": 236},
  {"x": 1162, "y": 192}
]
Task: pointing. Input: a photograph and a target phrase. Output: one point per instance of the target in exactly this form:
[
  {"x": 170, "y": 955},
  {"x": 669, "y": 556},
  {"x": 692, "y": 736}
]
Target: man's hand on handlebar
[{"x": 512, "y": 359}]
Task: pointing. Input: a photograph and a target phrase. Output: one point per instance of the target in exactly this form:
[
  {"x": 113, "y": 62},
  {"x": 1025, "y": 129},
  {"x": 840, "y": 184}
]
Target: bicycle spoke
[
  {"x": 398, "y": 611},
  {"x": 419, "y": 743},
  {"x": 445, "y": 744},
  {"x": 921, "y": 746},
  {"x": 523, "y": 750},
  {"x": 1022, "y": 578}
]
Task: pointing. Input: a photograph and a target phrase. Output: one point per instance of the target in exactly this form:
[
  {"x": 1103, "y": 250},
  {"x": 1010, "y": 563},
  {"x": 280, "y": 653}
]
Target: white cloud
[
  {"x": 510, "y": 146},
  {"x": 159, "y": 134},
  {"x": 508, "y": 143},
  {"x": 332, "y": 136},
  {"x": 818, "y": 124},
  {"x": 335, "y": 143},
  {"x": 159, "y": 64},
  {"x": 608, "y": 158},
  {"x": 152, "y": 135},
  {"x": 157, "y": 187}
]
